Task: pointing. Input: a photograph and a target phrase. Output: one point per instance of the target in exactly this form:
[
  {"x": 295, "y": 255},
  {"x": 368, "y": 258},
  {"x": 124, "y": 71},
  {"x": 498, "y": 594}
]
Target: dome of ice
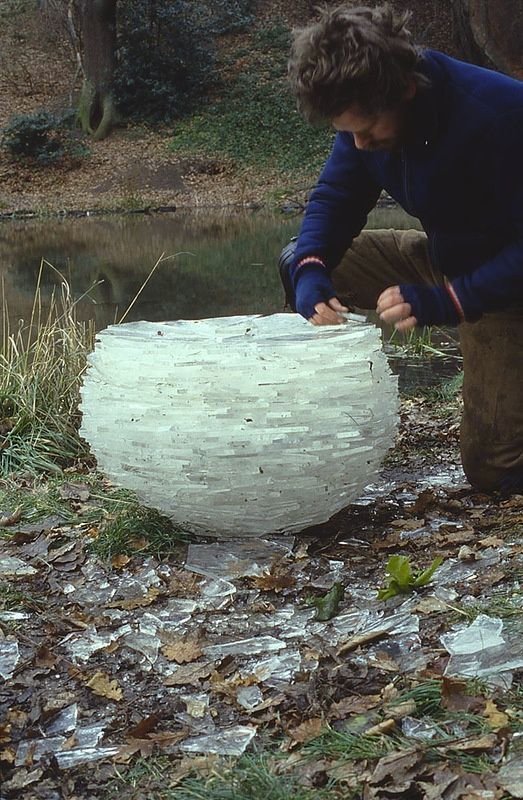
[{"x": 240, "y": 426}]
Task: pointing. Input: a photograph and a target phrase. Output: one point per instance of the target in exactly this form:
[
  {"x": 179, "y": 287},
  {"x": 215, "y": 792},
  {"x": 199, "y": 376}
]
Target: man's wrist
[{"x": 307, "y": 263}]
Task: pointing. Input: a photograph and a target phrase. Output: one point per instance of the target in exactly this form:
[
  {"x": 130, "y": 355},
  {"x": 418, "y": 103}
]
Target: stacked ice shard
[{"x": 240, "y": 426}]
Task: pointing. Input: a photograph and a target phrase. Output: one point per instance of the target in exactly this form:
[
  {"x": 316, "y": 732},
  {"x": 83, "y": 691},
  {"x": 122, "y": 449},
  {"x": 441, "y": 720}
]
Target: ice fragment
[
  {"x": 232, "y": 742},
  {"x": 9, "y": 656}
]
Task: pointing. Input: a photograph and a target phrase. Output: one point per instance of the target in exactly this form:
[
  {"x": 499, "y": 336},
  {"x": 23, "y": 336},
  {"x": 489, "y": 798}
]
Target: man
[{"x": 445, "y": 139}]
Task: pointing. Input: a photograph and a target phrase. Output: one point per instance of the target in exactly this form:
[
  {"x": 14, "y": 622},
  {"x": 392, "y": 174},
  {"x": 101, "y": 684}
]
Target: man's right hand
[
  {"x": 328, "y": 313},
  {"x": 315, "y": 297}
]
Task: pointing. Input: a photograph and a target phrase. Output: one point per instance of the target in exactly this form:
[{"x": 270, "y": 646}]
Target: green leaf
[
  {"x": 328, "y": 605},
  {"x": 422, "y": 578},
  {"x": 399, "y": 569},
  {"x": 402, "y": 579}
]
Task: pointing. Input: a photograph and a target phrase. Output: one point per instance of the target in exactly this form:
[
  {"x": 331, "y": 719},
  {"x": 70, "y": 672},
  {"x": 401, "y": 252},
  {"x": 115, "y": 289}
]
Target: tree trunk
[
  {"x": 96, "y": 107},
  {"x": 491, "y": 31}
]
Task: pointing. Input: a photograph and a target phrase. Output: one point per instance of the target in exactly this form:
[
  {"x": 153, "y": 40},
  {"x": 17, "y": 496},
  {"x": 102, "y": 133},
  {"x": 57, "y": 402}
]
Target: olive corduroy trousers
[{"x": 491, "y": 435}]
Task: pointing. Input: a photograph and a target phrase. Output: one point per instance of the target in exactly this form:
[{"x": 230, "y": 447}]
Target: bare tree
[
  {"x": 90, "y": 26},
  {"x": 96, "y": 107}
]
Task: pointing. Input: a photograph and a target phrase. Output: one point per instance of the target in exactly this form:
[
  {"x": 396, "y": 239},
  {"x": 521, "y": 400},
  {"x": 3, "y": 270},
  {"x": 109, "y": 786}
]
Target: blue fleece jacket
[{"x": 460, "y": 173}]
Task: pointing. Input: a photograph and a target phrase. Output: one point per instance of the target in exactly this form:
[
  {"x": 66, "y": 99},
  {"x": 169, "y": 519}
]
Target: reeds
[{"x": 41, "y": 365}]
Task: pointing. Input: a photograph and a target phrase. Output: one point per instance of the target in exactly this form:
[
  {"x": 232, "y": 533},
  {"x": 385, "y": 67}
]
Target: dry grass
[{"x": 41, "y": 365}]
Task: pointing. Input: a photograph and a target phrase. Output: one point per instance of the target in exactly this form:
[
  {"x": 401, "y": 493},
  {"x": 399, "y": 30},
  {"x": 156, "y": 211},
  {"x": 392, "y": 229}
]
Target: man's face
[{"x": 382, "y": 131}]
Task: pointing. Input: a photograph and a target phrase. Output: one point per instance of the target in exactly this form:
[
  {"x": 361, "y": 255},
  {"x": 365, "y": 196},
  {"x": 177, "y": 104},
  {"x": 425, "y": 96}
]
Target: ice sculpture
[{"x": 240, "y": 426}]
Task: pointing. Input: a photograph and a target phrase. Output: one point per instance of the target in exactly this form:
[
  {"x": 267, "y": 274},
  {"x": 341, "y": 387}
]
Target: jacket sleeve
[
  {"x": 338, "y": 207},
  {"x": 498, "y": 283}
]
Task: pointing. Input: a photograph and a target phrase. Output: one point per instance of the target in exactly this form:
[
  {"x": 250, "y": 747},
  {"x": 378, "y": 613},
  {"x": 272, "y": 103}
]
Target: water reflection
[{"x": 218, "y": 263}]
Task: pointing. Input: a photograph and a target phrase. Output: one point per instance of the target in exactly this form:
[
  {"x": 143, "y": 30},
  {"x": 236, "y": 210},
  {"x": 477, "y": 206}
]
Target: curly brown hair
[{"x": 353, "y": 56}]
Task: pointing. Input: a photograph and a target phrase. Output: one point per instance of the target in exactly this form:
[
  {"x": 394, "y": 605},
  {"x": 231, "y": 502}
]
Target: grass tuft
[
  {"x": 137, "y": 529},
  {"x": 41, "y": 364}
]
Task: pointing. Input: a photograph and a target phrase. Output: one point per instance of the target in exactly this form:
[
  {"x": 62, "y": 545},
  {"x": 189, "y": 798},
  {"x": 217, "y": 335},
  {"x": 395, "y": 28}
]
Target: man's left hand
[{"x": 393, "y": 309}]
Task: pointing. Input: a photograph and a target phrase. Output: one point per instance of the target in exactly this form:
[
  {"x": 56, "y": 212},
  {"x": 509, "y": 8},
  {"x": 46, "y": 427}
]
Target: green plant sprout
[{"x": 402, "y": 579}]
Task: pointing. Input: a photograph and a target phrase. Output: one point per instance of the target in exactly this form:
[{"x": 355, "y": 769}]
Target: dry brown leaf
[
  {"x": 401, "y": 710},
  {"x": 430, "y": 605},
  {"x": 16, "y": 717},
  {"x": 451, "y": 534},
  {"x": 183, "y": 650},
  {"x": 497, "y": 719},
  {"x": 202, "y": 765},
  {"x": 308, "y": 730},
  {"x": 491, "y": 541},
  {"x": 8, "y": 755},
  {"x": 74, "y": 491},
  {"x": 454, "y": 696},
  {"x": 101, "y": 684},
  {"x": 184, "y": 583},
  {"x": 492, "y": 576},
  {"x": 137, "y": 602},
  {"x": 362, "y": 638},
  {"x": 273, "y": 582},
  {"x": 144, "y": 727},
  {"x": 120, "y": 560},
  {"x": 140, "y": 543},
  {"x": 45, "y": 657},
  {"x": 348, "y": 774},
  {"x": 425, "y": 500},
  {"x": 485, "y": 742},
  {"x": 408, "y": 524},
  {"x": 189, "y": 675},
  {"x": 5, "y": 733},
  {"x": 229, "y": 686},
  {"x": 386, "y": 726},
  {"x": 397, "y": 767},
  {"x": 353, "y": 705},
  {"x": 11, "y": 519}
]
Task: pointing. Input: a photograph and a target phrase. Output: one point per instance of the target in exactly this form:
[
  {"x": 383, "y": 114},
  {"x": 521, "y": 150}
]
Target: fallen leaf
[
  {"x": 328, "y": 605},
  {"x": 184, "y": 583},
  {"x": 408, "y": 524},
  {"x": 353, "y": 705},
  {"x": 183, "y": 650},
  {"x": 485, "y": 742},
  {"x": 425, "y": 500},
  {"x": 430, "y": 605},
  {"x": 144, "y": 727},
  {"x": 397, "y": 767},
  {"x": 5, "y": 733},
  {"x": 454, "y": 696},
  {"x": 310, "y": 729},
  {"x": 102, "y": 685},
  {"x": 491, "y": 541},
  {"x": 273, "y": 582},
  {"x": 467, "y": 553},
  {"x": 497, "y": 719},
  {"x": 120, "y": 560},
  {"x": 362, "y": 638},
  {"x": 136, "y": 602},
  {"x": 11, "y": 519},
  {"x": 453, "y": 535},
  {"x": 386, "y": 726},
  {"x": 8, "y": 755},
  {"x": 74, "y": 491},
  {"x": 189, "y": 675}
]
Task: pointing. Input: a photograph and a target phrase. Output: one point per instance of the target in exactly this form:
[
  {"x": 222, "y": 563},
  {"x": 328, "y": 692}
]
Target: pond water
[{"x": 215, "y": 263}]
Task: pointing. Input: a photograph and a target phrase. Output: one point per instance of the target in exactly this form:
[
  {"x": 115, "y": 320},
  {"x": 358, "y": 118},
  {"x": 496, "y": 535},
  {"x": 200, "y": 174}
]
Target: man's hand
[
  {"x": 328, "y": 313},
  {"x": 316, "y": 297},
  {"x": 393, "y": 309}
]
